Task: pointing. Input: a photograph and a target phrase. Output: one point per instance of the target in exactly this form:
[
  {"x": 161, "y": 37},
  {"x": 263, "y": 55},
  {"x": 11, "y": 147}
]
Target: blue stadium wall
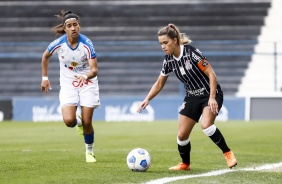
[{"x": 119, "y": 109}]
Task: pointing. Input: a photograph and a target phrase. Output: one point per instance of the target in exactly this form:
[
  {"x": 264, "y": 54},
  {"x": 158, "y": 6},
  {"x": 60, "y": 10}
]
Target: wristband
[
  {"x": 45, "y": 78},
  {"x": 85, "y": 76}
]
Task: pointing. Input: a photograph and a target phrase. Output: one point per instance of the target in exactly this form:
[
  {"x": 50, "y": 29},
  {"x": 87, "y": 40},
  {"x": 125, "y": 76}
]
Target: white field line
[
  {"x": 29, "y": 150},
  {"x": 214, "y": 173}
]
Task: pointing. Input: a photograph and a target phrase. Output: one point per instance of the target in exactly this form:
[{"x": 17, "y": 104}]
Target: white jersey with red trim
[{"x": 73, "y": 61}]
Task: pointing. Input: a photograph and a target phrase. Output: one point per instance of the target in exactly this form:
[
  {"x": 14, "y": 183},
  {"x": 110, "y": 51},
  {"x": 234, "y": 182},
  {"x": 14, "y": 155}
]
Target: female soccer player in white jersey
[
  {"x": 204, "y": 96},
  {"x": 78, "y": 77}
]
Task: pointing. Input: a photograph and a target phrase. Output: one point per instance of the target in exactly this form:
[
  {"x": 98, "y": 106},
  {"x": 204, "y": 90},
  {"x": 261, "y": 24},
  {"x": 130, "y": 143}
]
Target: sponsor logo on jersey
[
  {"x": 69, "y": 67},
  {"x": 196, "y": 57},
  {"x": 182, "y": 106},
  {"x": 199, "y": 52},
  {"x": 77, "y": 85},
  {"x": 54, "y": 43},
  {"x": 92, "y": 50},
  {"x": 196, "y": 92},
  {"x": 74, "y": 63},
  {"x": 76, "y": 69}
]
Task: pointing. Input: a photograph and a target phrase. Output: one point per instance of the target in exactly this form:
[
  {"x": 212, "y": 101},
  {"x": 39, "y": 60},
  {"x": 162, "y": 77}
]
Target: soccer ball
[{"x": 138, "y": 160}]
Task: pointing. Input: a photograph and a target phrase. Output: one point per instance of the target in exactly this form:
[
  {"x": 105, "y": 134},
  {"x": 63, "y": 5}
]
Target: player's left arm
[
  {"x": 92, "y": 73},
  {"x": 93, "y": 68},
  {"x": 213, "y": 83},
  {"x": 205, "y": 67}
]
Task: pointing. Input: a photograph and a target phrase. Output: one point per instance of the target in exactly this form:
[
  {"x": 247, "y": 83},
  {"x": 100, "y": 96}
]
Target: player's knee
[
  {"x": 182, "y": 142},
  {"x": 209, "y": 131},
  {"x": 182, "y": 136},
  {"x": 70, "y": 122}
]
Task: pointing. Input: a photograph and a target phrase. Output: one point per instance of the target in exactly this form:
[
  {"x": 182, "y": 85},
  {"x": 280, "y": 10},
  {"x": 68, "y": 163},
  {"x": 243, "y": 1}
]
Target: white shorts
[{"x": 87, "y": 96}]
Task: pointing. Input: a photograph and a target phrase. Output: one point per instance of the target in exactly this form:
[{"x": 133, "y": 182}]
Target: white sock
[
  {"x": 182, "y": 143},
  {"x": 89, "y": 148},
  {"x": 210, "y": 130},
  {"x": 78, "y": 121}
]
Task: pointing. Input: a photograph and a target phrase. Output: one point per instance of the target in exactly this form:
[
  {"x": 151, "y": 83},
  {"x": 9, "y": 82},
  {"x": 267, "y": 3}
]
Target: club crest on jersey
[
  {"x": 188, "y": 65},
  {"x": 84, "y": 58},
  {"x": 205, "y": 63},
  {"x": 74, "y": 63}
]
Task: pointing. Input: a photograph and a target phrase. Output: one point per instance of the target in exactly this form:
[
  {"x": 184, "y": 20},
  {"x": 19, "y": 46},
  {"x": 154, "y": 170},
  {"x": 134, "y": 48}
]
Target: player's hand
[
  {"x": 213, "y": 105},
  {"x": 81, "y": 80},
  {"x": 45, "y": 86},
  {"x": 142, "y": 105}
]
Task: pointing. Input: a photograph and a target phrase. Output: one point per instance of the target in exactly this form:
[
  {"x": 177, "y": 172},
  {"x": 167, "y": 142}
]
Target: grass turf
[{"x": 52, "y": 153}]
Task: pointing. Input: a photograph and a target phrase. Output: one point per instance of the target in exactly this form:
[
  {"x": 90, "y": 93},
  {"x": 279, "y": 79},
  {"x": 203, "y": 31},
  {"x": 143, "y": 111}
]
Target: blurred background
[{"x": 241, "y": 39}]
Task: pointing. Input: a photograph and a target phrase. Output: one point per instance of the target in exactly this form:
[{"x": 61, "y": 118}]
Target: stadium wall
[
  {"x": 123, "y": 109},
  {"x": 119, "y": 109}
]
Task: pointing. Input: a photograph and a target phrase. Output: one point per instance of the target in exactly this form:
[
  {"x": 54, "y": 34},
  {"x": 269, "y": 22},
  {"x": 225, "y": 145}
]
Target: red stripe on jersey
[
  {"x": 52, "y": 51},
  {"x": 87, "y": 51}
]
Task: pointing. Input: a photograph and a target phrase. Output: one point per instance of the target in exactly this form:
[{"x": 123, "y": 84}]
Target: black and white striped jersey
[{"x": 188, "y": 68}]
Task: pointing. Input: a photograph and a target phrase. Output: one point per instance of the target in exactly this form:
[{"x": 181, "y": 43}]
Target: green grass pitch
[{"x": 52, "y": 153}]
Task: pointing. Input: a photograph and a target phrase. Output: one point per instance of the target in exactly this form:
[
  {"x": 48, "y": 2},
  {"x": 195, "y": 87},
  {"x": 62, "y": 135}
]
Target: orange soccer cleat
[
  {"x": 180, "y": 166},
  {"x": 230, "y": 159}
]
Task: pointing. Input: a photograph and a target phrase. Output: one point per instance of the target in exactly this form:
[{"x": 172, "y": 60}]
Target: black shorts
[{"x": 192, "y": 107}]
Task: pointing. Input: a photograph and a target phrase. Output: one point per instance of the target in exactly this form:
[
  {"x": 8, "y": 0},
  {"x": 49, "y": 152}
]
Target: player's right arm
[
  {"x": 156, "y": 88},
  {"x": 45, "y": 84}
]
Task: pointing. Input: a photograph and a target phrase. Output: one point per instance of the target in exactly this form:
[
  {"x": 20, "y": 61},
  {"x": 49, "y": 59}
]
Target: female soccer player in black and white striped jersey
[{"x": 204, "y": 96}]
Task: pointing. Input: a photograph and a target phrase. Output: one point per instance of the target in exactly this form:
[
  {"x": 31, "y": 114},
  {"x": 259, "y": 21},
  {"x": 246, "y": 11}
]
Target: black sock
[
  {"x": 184, "y": 152},
  {"x": 219, "y": 140}
]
